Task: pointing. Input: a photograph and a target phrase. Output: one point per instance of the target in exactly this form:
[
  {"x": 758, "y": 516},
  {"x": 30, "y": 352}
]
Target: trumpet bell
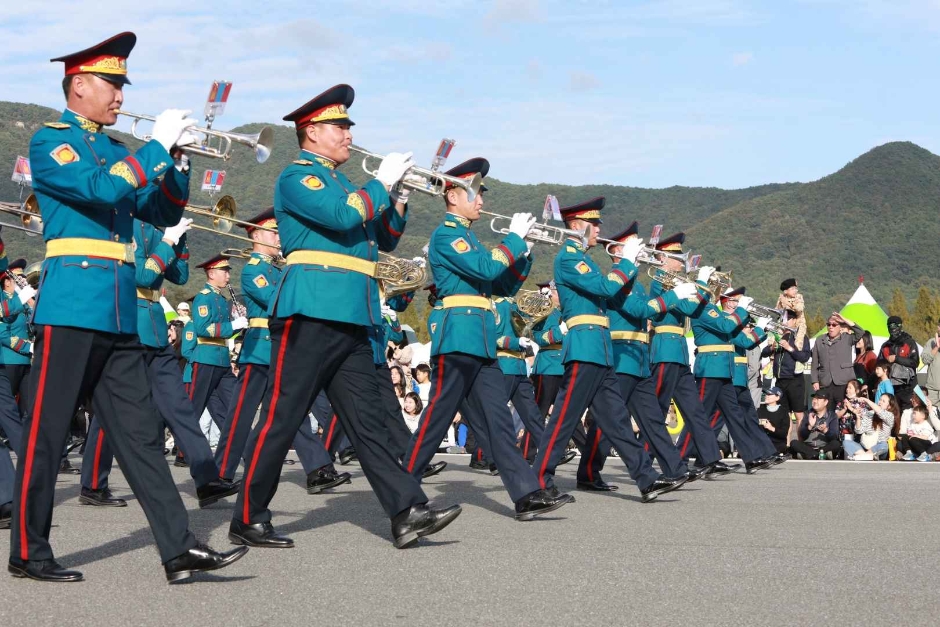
[
  {"x": 225, "y": 210},
  {"x": 261, "y": 142}
]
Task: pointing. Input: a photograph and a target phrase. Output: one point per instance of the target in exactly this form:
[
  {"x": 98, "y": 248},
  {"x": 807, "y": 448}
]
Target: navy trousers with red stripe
[
  {"x": 457, "y": 377},
  {"x": 334, "y": 438},
  {"x": 546, "y": 389},
  {"x": 251, "y": 385},
  {"x": 310, "y": 355},
  {"x": 209, "y": 379},
  {"x": 720, "y": 400},
  {"x": 70, "y": 364},
  {"x": 586, "y": 384},
  {"x": 760, "y": 437},
  {"x": 675, "y": 382},
  {"x": 11, "y": 421},
  {"x": 521, "y": 394}
]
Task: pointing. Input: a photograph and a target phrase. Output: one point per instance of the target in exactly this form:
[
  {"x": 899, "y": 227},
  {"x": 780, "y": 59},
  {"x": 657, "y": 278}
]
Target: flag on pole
[
  {"x": 694, "y": 261},
  {"x": 443, "y": 152},
  {"x": 22, "y": 173},
  {"x": 551, "y": 210},
  {"x": 218, "y": 96},
  {"x": 654, "y": 238},
  {"x": 212, "y": 181}
]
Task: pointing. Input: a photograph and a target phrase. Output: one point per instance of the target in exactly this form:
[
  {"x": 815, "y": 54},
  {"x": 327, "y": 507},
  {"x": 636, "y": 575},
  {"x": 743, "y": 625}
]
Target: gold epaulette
[
  {"x": 303, "y": 162},
  {"x": 58, "y": 125},
  {"x": 254, "y": 261},
  {"x": 205, "y": 291}
]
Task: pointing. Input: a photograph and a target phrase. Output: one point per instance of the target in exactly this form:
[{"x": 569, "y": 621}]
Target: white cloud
[{"x": 742, "y": 58}]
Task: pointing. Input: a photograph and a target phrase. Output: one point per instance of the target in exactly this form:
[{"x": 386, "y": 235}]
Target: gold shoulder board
[
  {"x": 254, "y": 261},
  {"x": 59, "y": 125},
  {"x": 205, "y": 291},
  {"x": 303, "y": 162}
]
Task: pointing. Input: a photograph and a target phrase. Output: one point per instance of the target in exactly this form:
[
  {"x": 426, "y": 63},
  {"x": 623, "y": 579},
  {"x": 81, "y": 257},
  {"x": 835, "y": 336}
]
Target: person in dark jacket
[
  {"x": 818, "y": 432},
  {"x": 900, "y": 350},
  {"x": 773, "y": 419},
  {"x": 788, "y": 361}
]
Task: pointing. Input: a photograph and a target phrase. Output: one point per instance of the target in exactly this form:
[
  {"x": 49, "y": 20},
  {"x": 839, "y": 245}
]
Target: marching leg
[{"x": 96, "y": 467}]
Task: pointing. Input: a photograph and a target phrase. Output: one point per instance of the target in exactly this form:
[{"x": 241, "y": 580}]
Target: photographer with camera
[{"x": 818, "y": 432}]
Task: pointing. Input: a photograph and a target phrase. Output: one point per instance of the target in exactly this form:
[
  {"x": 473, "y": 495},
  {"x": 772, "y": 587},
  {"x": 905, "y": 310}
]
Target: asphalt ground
[{"x": 805, "y": 543}]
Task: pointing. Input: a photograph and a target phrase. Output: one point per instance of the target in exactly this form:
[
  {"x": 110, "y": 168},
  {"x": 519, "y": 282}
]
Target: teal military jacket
[
  {"x": 259, "y": 282},
  {"x": 212, "y": 321},
  {"x": 188, "y": 349},
  {"x": 668, "y": 344},
  {"x": 434, "y": 322},
  {"x": 584, "y": 290},
  {"x": 89, "y": 186},
  {"x": 628, "y": 316},
  {"x": 156, "y": 260},
  {"x": 463, "y": 267},
  {"x": 547, "y": 334},
  {"x": 714, "y": 330},
  {"x": 319, "y": 210},
  {"x": 742, "y": 343},
  {"x": 509, "y": 352},
  {"x": 17, "y": 349}
]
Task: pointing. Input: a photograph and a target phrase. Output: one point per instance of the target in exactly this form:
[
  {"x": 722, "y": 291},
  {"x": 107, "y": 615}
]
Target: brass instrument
[
  {"x": 532, "y": 307},
  {"x": 719, "y": 283},
  {"x": 399, "y": 276},
  {"x": 28, "y": 212},
  {"x": 261, "y": 142},
  {"x": 223, "y": 218},
  {"x": 540, "y": 232},
  {"x": 245, "y": 253},
  {"x": 33, "y": 272},
  {"x": 761, "y": 311},
  {"x": 424, "y": 180},
  {"x": 668, "y": 278},
  {"x": 648, "y": 256}
]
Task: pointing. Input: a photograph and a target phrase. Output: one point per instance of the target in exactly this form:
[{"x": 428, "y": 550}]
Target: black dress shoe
[
  {"x": 76, "y": 442},
  {"x": 102, "y": 498},
  {"x": 662, "y": 486},
  {"x": 494, "y": 471},
  {"x": 180, "y": 462},
  {"x": 433, "y": 469},
  {"x": 216, "y": 490},
  {"x": 776, "y": 460},
  {"x": 696, "y": 473},
  {"x": 538, "y": 503},
  {"x": 419, "y": 521},
  {"x": 598, "y": 485},
  {"x": 715, "y": 470},
  {"x": 479, "y": 464},
  {"x": 347, "y": 456},
  {"x": 261, "y": 535},
  {"x": 757, "y": 464},
  {"x": 325, "y": 478},
  {"x": 553, "y": 490},
  {"x": 200, "y": 560},
  {"x": 567, "y": 457},
  {"x": 42, "y": 570},
  {"x": 66, "y": 468},
  {"x": 6, "y": 515}
]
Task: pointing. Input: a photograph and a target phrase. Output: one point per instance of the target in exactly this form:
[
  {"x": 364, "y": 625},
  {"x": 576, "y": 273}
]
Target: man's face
[
  {"x": 331, "y": 140},
  {"x": 790, "y": 292},
  {"x": 461, "y": 206},
  {"x": 591, "y": 231},
  {"x": 894, "y": 330},
  {"x": 820, "y": 405},
  {"x": 96, "y": 99},
  {"x": 729, "y": 304},
  {"x": 671, "y": 264},
  {"x": 833, "y": 328},
  {"x": 270, "y": 239},
  {"x": 219, "y": 277}
]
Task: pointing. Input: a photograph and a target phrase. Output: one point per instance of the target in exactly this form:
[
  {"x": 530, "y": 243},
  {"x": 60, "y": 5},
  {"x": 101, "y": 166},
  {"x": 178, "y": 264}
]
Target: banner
[
  {"x": 22, "y": 173},
  {"x": 551, "y": 211},
  {"x": 218, "y": 96},
  {"x": 212, "y": 181},
  {"x": 443, "y": 152}
]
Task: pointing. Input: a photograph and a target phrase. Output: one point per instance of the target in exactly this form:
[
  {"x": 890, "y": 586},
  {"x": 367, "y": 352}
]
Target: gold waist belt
[
  {"x": 212, "y": 341},
  {"x": 258, "y": 323},
  {"x": 513, "y": 354},
  {"x": 600, "y": 321},
  {"x": 86, "y": 247},
  {"x": 551, "y": 347},
  {"x": 480, "y": 302},
  {"x": 639, "y": 336},
  {"x": 332, "y": 260},
  {"x": 718, "y": 348},
  {"x": 740, "y": 360},
  {"x": 152, "y": 295},
  {"x": 669, "y": 329}
]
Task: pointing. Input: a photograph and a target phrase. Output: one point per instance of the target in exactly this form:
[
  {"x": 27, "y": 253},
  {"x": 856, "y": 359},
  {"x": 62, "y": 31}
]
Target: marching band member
[
  {"x": 90, "y": 189},
  {"x": 331, "y": 233},
  {"x": 259, "y": 282},
  {"x": 10, "y": 417},
  {"x": 587, "y": 353},
  {"x": 463, "y": 348},
  {"x": 548, "y": 370}
]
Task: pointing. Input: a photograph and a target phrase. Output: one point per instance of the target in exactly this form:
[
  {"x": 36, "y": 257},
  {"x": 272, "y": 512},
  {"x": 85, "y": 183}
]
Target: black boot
[
  {"x": 66, "y": 468},
  {"x": 200, "y": 560},
  {"x": 347, "y": 456},
  {"x": 419, "y": 521}
]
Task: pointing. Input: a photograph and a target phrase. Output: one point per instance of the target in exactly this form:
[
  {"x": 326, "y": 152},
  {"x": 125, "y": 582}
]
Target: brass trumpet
[
  {"x": 223, "y": 218},
  {"x": 28, "y": 212},
  {"x": 762, "y": 311},
  {"x": 648, "y": 256},
  {"x": 245, "y": 253},
  {"x": 668, "y": 278},
  {"x": 261, "y": 142},
  {"x": 540, "y": 232},
  {"x": 424, "y": 180}
]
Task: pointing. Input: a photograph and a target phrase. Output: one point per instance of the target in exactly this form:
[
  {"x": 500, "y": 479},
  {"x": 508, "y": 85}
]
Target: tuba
[
  {"x": 398, "y": 276},
  {"x": 531, "y": 308}
]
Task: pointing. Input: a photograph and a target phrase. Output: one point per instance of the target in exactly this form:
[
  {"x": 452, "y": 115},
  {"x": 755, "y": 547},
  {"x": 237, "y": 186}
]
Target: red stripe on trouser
[
  {"x": 268, "y": 420},
  {"x": 31, "y": 443},
  {"x": 427, "y": 417},
  {"x": 659, "y": 378},
  {"x": 701, "y": 391},
  {"x": 685, "y": 445},
  {"x": 329, "y": 434},
  {"x": 715, "y": 418},
  {"x": 479, "y": 453},
  {"x": 646, "y": 447},
  {"x": 590, "y": 471},
  {"x": 538, "y": 390},
  {"x": 97, "y": 463},
  {"x": 561, "y": 417},
  {"x": 234, "y": 425},
  {"x": 525, "y": 446},
  {"x": 192, "y": 382}
]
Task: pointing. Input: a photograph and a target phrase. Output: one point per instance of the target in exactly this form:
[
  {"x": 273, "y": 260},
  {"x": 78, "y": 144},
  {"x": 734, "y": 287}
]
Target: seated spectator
[
  {"x": 884, "y": 382},
  {"x": 774, "y": 419},
  {"x": 818, "y": 432},
  {"x": 873, "y": 422},
  {"x": 423, "y": 380},
  {"x": 920, "y": 437},
  {"x": 865, "y": 359},
  {"x": 411, "y": 410},
  {"x": 853, "y": 392},
  {"x": 398, "y": 382}
]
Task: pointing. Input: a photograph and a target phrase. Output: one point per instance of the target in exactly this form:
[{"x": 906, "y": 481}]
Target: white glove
[
  {"x": 392, "y": 315},
  {"x": 173, "y": 233},
  {"x": 744, "y": 301},
  {"x": 25, "y": 293},
  {"x": 762, "y": 322},
  {"x": 29, "y": 347},
  {"x": 704, "y": 273},
  {"x": 187, "y": 138},
  {"x": 421, "y": 261},
  {"x": 684, "y": 291},
  {"x": 169, "y": 126},
  {"x": 521, "y": 223},
  {"x": 393, "y": 167},
  {"x": 182, "y": 164},
  {"x": 399, "y": 194},
  {"x": 563, "y": 327},
  {"x": 385, "y": 309},
  {"x": 525, "y": 342},
  {"x": 239, "y": 323},
  {"x": 631, "y": 249},
  {"x": 530, "y": 245}
]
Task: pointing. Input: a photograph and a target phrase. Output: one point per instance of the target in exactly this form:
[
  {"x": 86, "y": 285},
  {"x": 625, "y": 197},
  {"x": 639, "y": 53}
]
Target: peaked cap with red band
[
  {"x": 107, "y": 60},
  {"x": 589, "y": 210},
  {"x": 265, "y": 219},
  {"x": 738, "y": 291},
  {"x": 330, "y": 107},
  {"x": 466, "y": 170},
  {"x": 630, "y": 231},
  {"x": 672, "y": 244},
  {"x": 215, "y": 263}
]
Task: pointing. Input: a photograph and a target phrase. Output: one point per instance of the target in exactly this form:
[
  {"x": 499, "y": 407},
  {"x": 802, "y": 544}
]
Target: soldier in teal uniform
[
  {"x": 630, "y": 340},
  {"x": 587, "y": 353},
  {"x": 672, "y": 379},
  {"x": 13, "y": 352},
  {"x": 159, "y": 255},
  {"x": 548, "y": 370},
  {"x": 464, "y": 344},
  {"x": 331, "y": 233},
  {"x": 90, "y": 189},
  {"x": 260, "y": 277}
]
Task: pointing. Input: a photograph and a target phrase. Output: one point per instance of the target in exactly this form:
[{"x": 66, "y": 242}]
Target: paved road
[{"x": 806, "y": 543}]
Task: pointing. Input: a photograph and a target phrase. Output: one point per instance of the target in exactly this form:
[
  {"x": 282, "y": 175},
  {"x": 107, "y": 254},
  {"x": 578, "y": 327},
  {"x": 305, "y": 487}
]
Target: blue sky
[{"x": 723, "y": 93}]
